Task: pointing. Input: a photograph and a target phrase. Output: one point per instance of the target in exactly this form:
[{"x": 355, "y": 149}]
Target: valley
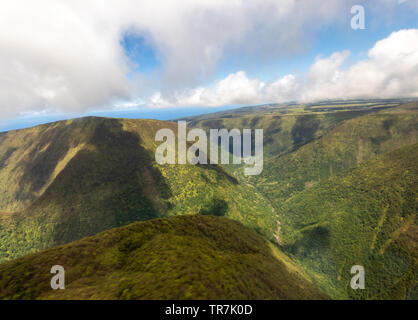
[{"x": 338, "y": 189}]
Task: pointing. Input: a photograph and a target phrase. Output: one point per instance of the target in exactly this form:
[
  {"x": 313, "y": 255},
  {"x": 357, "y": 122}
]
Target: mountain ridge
[
  {"x": 95, "y": 174},
  {"x": 183, "y": 257},
  {"x": 364, "y": 216},
  {"x": 111, "y": 181}
]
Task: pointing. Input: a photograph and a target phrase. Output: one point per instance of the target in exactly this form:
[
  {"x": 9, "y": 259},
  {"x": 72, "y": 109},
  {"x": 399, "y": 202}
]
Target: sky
[{"x": 168, "y": 59}]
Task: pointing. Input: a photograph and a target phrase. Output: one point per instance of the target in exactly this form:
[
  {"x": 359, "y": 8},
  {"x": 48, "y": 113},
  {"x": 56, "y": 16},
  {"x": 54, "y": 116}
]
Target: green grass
[
  {"x": 94, "y": 174},
  {"x": 338, "y": 188},
  {"x": 366, "y": 216},
  {"x": 308, "y": 145},
  {"x": 288, "y": 127},
  {"x": 184, "y": 257},
  {"x": 341, "y": 148}
]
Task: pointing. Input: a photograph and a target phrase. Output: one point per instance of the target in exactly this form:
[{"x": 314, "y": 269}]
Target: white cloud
[
  {"x": 235, "y": 89},
  {"x": 51, "y": 57},
  {"x": 391, "y": 70},
  {"x": 66, "y": 55}
]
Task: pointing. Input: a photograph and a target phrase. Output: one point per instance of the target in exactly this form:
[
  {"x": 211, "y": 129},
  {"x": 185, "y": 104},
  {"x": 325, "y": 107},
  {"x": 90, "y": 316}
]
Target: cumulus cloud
[
  {"x": 50, "y": 56},
  {"x": 67, "y": 55},
  {"x": 235, "y": 89},
  {"x": 390, "y": 70}
]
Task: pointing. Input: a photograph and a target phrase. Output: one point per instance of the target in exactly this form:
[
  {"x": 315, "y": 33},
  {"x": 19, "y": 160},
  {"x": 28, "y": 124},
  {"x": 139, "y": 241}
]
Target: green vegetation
[
  {"x": 331, "y": 216},
  {"x": 366, "y": 216},
  {"x": 338, "y": 189},
  {"x": 341, "y": 148},
  {"x": 289, "y": 126},
  {"x": 185, "y": 257},
  {"x": 218, "y": 207},
  {"x": 98, "y": 174}
]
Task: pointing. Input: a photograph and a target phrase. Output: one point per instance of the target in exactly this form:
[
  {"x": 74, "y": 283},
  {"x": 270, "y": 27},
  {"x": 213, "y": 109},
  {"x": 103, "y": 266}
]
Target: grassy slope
[
  {"x": 287, "y": 127},
  {"x": 313, "y": 144},
  {"x": 185, "y": 257},
  {"x": 366, "y": 216},
  {"x": 88, "y": 175},
  {"x": 347, "y": 135},
  {"x": 343, "y": 147},
  {"x": 30, "y": 159}
]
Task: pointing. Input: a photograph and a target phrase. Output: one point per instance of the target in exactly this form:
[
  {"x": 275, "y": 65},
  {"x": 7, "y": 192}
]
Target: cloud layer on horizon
[
  {"x": 390, "y": 71},
  {"x": 68, "y": 56}
]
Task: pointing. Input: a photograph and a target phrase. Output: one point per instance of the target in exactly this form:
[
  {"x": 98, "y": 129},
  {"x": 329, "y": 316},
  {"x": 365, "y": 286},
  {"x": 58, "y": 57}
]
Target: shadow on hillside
[
  {"x": 52, "y": 145},
  {"x": 110, "y": 183}
]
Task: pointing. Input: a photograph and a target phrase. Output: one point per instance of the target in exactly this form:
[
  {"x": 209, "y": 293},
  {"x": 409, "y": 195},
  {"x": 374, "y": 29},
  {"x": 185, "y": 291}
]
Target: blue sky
[
  {"x": 140, "y": 53},
  {"x": 332, "y": 38},
  {"x": 155, "y": 60},
  {"x": 335, "y": 37}
]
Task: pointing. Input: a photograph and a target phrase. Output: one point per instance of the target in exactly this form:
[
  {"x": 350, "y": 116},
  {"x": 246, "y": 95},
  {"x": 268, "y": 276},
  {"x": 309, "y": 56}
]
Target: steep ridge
[
  {"x": 184, "y": 257},
  {"x": 30, "y": 159},
  {"x": 339, "y": 201},
  {"x": 87, "y": 175},
  {"x": 290, "y": 126},
  {"x": 366, "y": 216},
  {"x": 341, "y": 148},
  {"x": 334, "y": 150}
]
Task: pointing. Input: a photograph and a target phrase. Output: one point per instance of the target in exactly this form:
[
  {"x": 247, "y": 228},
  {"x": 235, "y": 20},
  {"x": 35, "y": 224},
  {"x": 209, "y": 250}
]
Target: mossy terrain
[
  {"x": 184, "y": 257},
  {"x": 338, "y": 189},
  {"x": 366, "y": 216},
  {"x": 290, "y": 126},
  {"x": 325, "y": 224},
  {"x": 88, "y": 175},
  {"x": 341, "y": 148}
]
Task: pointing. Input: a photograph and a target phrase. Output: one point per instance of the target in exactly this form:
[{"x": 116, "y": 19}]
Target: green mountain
[
  {"x": 366, "y": 216},
  {"x": 338, "y": 189},
  {"x": 290, "y": 126},
  {"x": 343, "y": 147},
  {"x": 304, "y": 164},
  {"x": 184, "y": 257},
  {"x": 66, "y": 180}
]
